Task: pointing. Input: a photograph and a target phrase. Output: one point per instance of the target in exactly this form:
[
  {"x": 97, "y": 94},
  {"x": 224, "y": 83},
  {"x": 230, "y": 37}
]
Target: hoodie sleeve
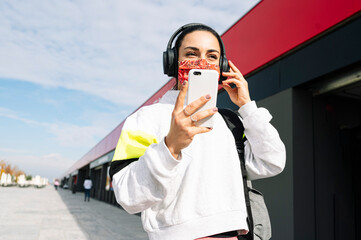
[
  {"x": 265, "y": 153},
  {"x": 148, "y": 175}
]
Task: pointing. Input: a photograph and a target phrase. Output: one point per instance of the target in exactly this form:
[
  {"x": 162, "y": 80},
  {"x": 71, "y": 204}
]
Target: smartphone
[{"x": 202, "y": 82}]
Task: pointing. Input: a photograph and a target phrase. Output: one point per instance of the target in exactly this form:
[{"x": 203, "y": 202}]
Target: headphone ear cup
[
  {"x": 173, "y": 61},
  {"x": 165, "y": 62},
  {"x": 224, "y": 67},
  {"x": 170, "y": 63}
]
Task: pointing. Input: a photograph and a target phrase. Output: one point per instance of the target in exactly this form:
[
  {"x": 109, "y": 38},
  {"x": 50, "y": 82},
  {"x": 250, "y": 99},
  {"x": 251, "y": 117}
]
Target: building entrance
[
  {"x": 351, "y": 146},
  {"x": 337, "y": 150},
  {"x": 96, "y": 177}
]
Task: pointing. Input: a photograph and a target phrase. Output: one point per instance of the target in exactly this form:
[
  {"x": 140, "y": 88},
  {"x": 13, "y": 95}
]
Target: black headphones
[{"x": 170, "y": 56}]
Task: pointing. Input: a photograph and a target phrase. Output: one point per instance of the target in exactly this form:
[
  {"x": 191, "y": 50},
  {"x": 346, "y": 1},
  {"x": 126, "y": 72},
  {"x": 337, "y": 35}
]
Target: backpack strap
[{"x": 236, "y": 127}]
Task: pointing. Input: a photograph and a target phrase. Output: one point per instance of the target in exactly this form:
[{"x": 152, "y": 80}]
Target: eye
[
  {"x": 188, "y": 54},
  {"x": 213, "y": 56}
]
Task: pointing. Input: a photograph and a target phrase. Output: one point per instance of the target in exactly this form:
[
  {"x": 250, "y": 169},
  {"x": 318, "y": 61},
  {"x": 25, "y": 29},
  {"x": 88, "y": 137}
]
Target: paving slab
[{"x": 45, "y": 213}]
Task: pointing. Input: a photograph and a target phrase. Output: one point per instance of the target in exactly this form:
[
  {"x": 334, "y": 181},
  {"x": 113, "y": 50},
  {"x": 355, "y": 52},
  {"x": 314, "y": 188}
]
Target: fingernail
[
  {"x": 208, "y": 96},
  {"x": 215, "y": 109}
]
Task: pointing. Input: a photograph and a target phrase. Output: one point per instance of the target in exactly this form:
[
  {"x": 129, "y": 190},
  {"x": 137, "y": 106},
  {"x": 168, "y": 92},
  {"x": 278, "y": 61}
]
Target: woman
[{"x": 186, "y": 180}]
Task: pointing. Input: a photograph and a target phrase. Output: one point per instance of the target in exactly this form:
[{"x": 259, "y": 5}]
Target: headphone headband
[{"x": 182, "y": 28}]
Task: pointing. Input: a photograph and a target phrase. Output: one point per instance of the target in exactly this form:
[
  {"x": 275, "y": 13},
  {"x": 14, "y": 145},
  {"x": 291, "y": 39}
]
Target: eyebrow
[{"x": 197, "y": 49}]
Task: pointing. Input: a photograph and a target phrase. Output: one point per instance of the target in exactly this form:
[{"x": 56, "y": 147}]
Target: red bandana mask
[{"x": 186, "y": 65}]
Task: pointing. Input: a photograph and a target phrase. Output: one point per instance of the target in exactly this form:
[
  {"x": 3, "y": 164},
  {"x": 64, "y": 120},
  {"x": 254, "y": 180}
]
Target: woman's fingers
[
  {"x": 193, "y": 106},
  {"x": 196, "y": 104},
  {"x": 232, "y": 75},
  {"x": 227, "y": 87},
  {"x": 238, "y": 83},
  {"x": 204, "y": 114},
  {"x": 235, "y": 78},
  {"x": 199, "y": 130},
  {"x": 240, "y": 94},
  {"x": 181, "y": 96},
  {"x": 234, "y": 68}
]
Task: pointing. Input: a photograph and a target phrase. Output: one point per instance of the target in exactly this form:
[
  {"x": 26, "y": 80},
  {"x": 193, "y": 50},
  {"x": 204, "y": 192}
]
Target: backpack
[{"x": 258, "y": 218}]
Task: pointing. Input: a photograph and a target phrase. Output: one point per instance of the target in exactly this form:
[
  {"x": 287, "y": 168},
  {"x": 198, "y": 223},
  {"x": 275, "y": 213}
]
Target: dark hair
[{"x": 181, "y": 36}]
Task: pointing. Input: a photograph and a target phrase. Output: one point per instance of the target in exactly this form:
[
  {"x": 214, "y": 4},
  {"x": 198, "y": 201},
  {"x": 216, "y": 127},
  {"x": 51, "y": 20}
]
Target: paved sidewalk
[{"x": 31, "y": 213}]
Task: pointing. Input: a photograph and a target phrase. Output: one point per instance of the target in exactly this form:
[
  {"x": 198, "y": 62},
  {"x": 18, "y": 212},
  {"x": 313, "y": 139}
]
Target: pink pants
[{"x": 211, "y": 238}]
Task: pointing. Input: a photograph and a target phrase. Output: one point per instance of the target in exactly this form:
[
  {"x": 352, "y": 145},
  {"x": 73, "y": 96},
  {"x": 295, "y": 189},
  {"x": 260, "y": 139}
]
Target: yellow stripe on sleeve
[{"x": 132, "y": 144}]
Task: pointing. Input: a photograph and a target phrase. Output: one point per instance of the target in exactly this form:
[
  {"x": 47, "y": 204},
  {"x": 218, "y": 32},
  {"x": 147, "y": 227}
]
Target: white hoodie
[
  {"x": 88, "y": 184},
  {"x": 200, "y": 194}
]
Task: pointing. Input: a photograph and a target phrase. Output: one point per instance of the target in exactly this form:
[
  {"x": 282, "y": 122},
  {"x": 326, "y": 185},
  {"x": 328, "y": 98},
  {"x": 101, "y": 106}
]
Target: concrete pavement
[{"x": 32, "y": 214}]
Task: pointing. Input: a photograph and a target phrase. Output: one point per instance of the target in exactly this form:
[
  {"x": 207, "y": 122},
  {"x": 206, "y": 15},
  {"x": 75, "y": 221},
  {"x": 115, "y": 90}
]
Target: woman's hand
[
  {"x": 183, "y": 128},
  {"x": 240, "y": 94}
]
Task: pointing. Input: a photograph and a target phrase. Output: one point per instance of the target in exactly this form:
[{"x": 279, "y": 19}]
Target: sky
[{"x": 72, "y": 70}]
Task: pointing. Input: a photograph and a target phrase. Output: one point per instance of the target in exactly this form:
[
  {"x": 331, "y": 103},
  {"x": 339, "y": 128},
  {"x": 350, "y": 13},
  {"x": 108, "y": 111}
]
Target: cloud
[
  {"x": 12, "y": 150},
  {"x": 109, "y": 49},
  {"x": 4, "y": 112},
  {"x": 69, "y": 135},
  {"x": 72, "y": 135}
]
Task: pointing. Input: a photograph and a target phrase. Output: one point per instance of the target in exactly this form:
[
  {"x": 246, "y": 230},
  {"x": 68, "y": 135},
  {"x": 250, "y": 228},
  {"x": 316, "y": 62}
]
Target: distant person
[
  {"x": 74, "y": 185},
  {"x": 87, "y": 186},
  {"x": 73, "y": 188},
  {"x": 56, "y": 184}
]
